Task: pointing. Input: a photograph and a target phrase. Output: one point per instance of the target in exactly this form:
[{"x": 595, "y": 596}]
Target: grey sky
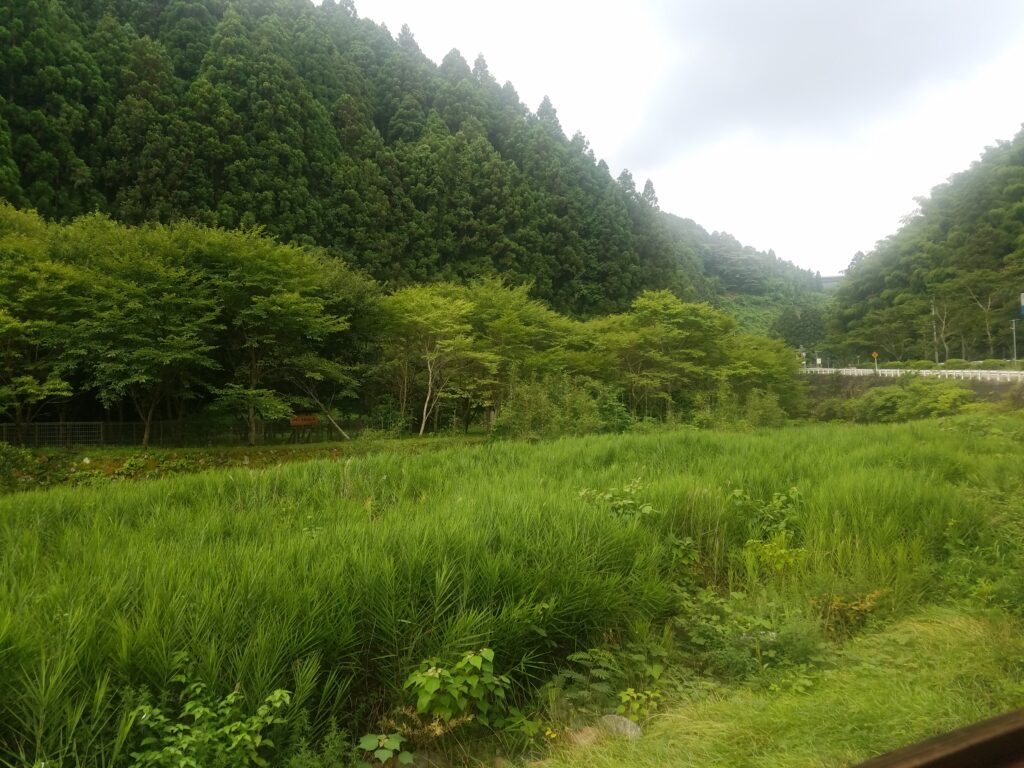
[
  {"x": 807, "y": 126},
  {"x": 814, "y": 66}
]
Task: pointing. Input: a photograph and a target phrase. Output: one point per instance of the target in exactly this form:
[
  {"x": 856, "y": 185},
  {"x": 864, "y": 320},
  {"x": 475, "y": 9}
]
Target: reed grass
[{"x": 333, "y": 579}]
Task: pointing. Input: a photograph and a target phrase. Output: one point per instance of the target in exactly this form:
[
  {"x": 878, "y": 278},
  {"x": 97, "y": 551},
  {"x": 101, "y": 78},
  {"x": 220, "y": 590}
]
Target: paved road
[{"x": 896, "y": 372}]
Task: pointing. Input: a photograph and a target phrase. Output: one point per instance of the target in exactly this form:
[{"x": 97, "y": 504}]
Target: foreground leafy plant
[
  {"x": 623, "y": 679},
  {"x": 736, "y": 636},
  {"x": 467, "y": 689},
  {"x": 14, "y": 463},
  {"x": 638, "y": 705},
  {"x": 622, "y": 502},
  {"x": 207, "y": 733},
  {"x": 383, "y": 748}
]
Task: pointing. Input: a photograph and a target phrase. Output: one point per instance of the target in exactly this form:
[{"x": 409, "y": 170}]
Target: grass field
[
  {"x": 924, "y": 675},
  {"x": 334, "y": 579},
  {"x": 89, "y": 466}
]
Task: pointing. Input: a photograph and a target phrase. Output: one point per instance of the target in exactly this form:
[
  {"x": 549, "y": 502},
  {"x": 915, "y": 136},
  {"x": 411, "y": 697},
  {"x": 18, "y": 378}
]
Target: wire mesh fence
[
  {"x": 53, "y": 434},
  {"x": 70, "y": 434}
]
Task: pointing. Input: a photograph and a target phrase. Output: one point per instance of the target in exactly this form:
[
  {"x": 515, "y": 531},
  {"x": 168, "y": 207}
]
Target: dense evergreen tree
[
  {"x": 52, "y": 91},
  {"x": 323, "y": 129},
  {"x": 946, "y": 285}
]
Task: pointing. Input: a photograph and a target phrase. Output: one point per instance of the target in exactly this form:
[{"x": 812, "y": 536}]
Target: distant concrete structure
[
  {"x": 829, "y": 283},
  {"x": 894, "y": 373}
]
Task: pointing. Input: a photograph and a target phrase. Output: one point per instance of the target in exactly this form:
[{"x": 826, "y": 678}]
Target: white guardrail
[{"x": 897, "y": 372}]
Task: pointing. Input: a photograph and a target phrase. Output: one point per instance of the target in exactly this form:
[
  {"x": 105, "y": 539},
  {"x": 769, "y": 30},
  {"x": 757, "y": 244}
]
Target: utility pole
[{"x": 1013, "y": 325}]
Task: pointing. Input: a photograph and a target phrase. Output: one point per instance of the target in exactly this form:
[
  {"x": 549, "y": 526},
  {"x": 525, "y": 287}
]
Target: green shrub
[
  {"x": 335, "y": 751},
  {"x": 559, "y": 405},
  {"x": 467, "y": 689},
  {"x": 762, "y": 409},
  {"x": 831, "y": 409},
  {"x": 736, "y": 636},
  {"x": 1015, "y": 396},
  {"x": 622, "y": 678},
  {"x": 15, "y": 463},
  {"x": 613, "y": 413},
  {"x": 726, "y": 408},
  {"x": 911, "y": 398},
  {"x": 207, "y": 733}
]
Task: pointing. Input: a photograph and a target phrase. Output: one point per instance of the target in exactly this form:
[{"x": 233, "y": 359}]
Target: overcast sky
[{"x": 806, "y": 126}]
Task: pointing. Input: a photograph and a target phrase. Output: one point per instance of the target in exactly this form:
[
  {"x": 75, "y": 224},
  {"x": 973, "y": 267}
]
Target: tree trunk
[
  {"x": 403, "y": 394},
  {"x": 179, "y": 426},
  {"x": 986, "y": 312},
  {"x": 943, "y": 333},
  {"x": 147, "y": 431},
  {"x": 20, "y": 424},
  {"x": 251, "y": 418},
  {"x": 426, "y": 413},
  {"x": 335, "y": 424},
  {"x": 426, "y": 400},
  {"x": 254, "y": 378},
  {"x": 145, "y": 413}
]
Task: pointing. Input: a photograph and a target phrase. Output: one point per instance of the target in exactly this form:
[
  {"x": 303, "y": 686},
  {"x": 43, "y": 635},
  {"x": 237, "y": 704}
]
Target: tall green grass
[{"x": 334, "y": 579}]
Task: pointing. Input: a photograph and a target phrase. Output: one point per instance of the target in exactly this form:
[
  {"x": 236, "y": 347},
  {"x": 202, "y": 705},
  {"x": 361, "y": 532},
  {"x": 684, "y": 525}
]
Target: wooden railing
[{"x": 995, "y": 743}]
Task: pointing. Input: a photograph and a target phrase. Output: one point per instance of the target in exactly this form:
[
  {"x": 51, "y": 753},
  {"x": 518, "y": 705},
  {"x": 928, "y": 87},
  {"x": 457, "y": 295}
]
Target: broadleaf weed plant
[
  {"x": 622, "y": 502},
  {"x": 467, "y": 690},
  {"x": 207, "y": 732}
]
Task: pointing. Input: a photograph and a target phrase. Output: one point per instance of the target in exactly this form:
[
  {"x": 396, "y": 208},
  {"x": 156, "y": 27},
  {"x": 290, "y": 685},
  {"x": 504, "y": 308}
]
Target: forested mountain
[
  {"x": 323, "y": 129},
  {"x": 764, "y": 293},
  {"x": 946, "y": 285},
  {"x": 731, "y": 267}
]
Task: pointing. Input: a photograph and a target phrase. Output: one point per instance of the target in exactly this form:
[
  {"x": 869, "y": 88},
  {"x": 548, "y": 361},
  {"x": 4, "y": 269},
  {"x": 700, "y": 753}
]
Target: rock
[
  {"x": 617, "y": 725},
  {"x": 584, "y": 737}
]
